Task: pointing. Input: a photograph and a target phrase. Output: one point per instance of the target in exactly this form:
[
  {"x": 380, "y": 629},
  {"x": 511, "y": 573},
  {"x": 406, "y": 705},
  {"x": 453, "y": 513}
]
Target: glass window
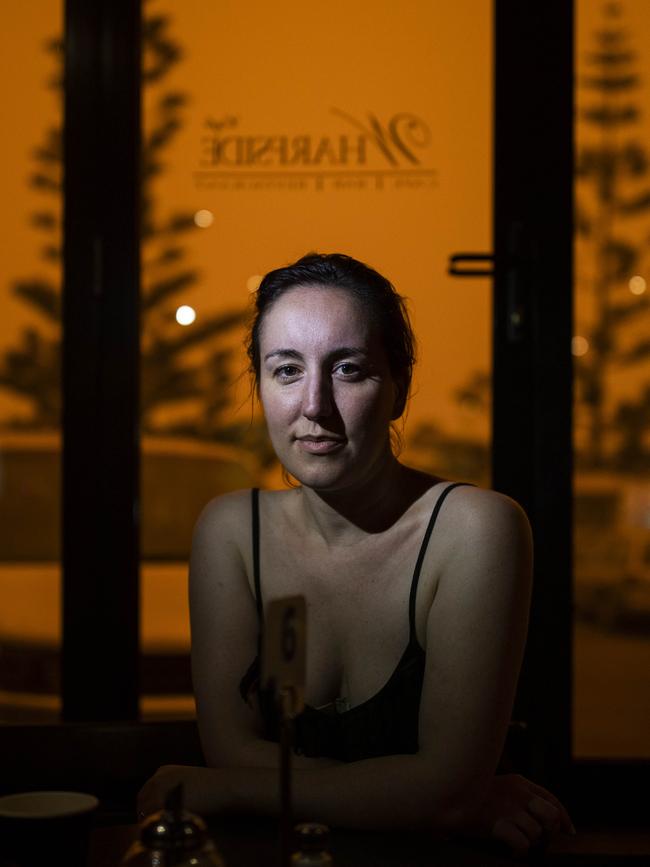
[
  {"x": 30, "y": 276},
  {"x": 270, "y": 131},
  {"x": 612, "y": 373}
]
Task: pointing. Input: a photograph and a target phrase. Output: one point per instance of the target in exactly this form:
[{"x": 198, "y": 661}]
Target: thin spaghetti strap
[
  {"x": 255, "y": 523},
  {"x": 422, "y": 553}
]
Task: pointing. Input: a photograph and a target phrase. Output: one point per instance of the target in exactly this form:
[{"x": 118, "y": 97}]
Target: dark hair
[{"x": 385, "y": 307}]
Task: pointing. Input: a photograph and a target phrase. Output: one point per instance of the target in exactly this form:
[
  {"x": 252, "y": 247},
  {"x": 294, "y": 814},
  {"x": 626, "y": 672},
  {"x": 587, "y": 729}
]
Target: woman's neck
[{"x": 372, "y": 506}]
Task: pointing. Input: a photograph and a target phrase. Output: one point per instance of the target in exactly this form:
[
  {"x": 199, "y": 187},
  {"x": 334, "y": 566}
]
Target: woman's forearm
[
  {"x": 259, "y": 753},
  {"x": 393, "y": 792},
  {"x": 388, "y": 792}
]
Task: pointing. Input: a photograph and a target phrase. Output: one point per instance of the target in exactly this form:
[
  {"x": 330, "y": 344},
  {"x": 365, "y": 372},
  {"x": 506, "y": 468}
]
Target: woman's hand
[
  {"x": 202, "y": 790},
  {"x": 521, "y": 814}
]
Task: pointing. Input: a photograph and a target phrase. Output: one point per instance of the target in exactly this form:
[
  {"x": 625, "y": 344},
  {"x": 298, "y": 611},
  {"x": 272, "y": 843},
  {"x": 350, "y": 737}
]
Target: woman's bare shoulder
[
  {"x": 225, "y": 514},
  {"x": 228, "y": 517},
  {"x": 490, "y": 500},
  {"x": 483, "y": 505},
  {"x": 479, "y": 519},
  {"x": 485, "y": 567},
  {"x": 222, "y": 539}
]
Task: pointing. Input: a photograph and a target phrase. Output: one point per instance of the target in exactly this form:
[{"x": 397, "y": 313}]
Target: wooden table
[{"x": 249, "y": 842}]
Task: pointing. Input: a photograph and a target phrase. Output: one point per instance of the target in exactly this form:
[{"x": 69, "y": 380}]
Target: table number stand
[{"x": 283, "y": 672}]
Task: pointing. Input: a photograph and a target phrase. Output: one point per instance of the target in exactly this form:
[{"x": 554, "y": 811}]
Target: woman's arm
[
  {"x": 224, "y": 638},
  {"x": 476, "y": 632}
]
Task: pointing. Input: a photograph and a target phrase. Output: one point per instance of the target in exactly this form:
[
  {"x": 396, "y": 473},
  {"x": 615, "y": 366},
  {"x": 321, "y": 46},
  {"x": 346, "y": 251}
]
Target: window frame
[{"x": 101, "y": 453}]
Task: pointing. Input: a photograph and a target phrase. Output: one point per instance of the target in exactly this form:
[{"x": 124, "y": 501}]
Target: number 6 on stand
[{"x": 284, "y": 652}]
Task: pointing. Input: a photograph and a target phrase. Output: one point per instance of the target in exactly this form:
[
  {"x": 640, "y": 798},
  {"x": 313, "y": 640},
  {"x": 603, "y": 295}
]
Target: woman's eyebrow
[
  {"x": 344, "y": 351},
  {"x": 286, "y": 353},
  {"x": 339, "y": 352}
]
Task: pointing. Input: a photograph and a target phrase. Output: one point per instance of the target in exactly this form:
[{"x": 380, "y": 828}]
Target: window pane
[
  {"x": 612, "y": 367},
  {"x": 30, "y": 279},
  {"x": 372, "y": 139}
]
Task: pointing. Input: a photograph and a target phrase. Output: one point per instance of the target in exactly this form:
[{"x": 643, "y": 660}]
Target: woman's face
[{"x": 326, "y": 388}]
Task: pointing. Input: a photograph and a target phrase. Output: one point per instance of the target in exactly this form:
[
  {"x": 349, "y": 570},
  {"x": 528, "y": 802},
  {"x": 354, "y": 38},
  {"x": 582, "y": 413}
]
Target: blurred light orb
[
  {"x": 204, "y": 218},
  {"x": 579, "y": 345},
  {"x": 185, "y": 315},
  {"x": 637, "y": 285},
  {"x": 253, "y": 283}
]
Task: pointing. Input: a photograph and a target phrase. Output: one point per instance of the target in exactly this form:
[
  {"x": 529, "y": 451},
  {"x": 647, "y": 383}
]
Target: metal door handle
[{"x": 457, "y": 259}]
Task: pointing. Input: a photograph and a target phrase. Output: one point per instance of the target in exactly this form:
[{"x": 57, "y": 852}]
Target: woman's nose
[{"x": 317, "y": 400}]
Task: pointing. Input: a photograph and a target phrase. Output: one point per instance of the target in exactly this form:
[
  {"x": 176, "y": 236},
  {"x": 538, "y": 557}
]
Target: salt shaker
[
  {"x": 173, "y": 837},
  {"x": 312, "y": 841}
]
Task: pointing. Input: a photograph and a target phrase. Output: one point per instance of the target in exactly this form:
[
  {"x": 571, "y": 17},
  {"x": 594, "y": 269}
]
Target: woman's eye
[
  {"x": 287, "y": 371},
  {"x": 348, "y": 369}
]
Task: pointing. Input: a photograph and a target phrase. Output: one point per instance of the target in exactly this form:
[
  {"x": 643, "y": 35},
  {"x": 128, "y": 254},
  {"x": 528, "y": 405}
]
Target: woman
[{"x": 417, "y": 592}]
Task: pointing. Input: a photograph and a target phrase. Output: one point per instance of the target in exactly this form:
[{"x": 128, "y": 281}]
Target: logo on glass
[{"x": 362, "y": 151}]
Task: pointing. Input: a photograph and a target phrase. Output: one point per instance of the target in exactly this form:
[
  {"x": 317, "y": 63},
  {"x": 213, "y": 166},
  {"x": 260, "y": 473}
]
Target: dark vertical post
[
  {"x": 533, "y": 182},
  {"x": 100, "y": 360}
]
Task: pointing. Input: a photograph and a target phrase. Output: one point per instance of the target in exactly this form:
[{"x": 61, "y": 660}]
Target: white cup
[{"x": 39, "y": 828}]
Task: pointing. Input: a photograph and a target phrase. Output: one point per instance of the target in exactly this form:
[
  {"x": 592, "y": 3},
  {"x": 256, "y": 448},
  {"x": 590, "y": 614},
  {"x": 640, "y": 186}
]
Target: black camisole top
[{"x": 385, "y": 724}]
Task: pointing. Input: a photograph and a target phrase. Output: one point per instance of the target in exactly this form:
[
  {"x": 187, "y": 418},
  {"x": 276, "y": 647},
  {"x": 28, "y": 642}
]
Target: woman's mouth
[{"x": 319, "y": 445}]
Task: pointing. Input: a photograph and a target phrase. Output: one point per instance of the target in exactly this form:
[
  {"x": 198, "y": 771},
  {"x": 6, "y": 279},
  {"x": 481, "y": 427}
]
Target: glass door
[{"x": 272, "y": 130}]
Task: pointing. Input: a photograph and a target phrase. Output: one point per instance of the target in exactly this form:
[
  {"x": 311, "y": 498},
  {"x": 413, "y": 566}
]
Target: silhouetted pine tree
[
  {"x": 32, "y": 369},
  {"x": 613, "y": 193}
]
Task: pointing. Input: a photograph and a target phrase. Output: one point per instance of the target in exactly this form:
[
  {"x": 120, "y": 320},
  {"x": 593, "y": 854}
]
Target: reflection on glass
[
  {"x": 30, "y": 399},
  {"x": 612, "y": 372}
]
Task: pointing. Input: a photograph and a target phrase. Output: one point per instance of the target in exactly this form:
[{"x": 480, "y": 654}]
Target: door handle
[
  {"x": 517, "y": 301},
  {"x": 457, "y": 260}
]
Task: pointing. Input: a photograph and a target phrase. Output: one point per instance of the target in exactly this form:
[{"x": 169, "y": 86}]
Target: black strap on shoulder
[
  {"x": 255, "y": 523},
  {"x": 421, "y": 555}
]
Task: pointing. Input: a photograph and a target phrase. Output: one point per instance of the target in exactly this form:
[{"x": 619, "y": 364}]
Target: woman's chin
[
  {"x": 331, "y": 476},
  {"x": 321, "y": 482},
  {"x": 320, "y": 474}
]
